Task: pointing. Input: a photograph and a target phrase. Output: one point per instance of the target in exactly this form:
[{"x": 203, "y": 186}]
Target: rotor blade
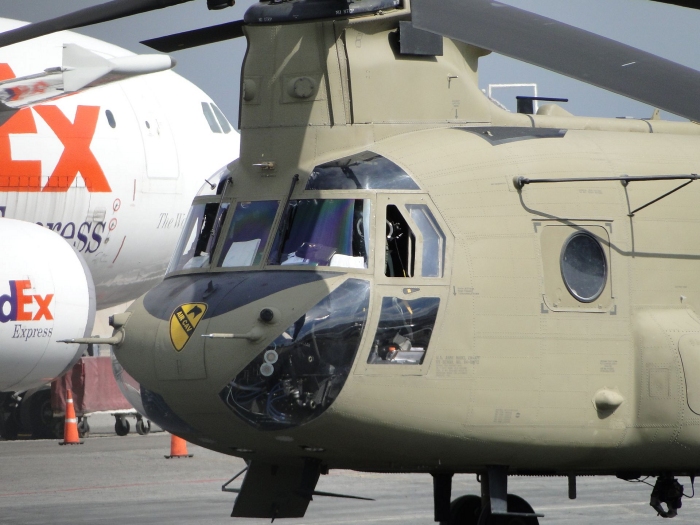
[
  {"x": 564, "y": 49},
  {"x": 85, "y": 17},
  {"x": 197, "y": 37},
  {"x": 692, "y": 4}
]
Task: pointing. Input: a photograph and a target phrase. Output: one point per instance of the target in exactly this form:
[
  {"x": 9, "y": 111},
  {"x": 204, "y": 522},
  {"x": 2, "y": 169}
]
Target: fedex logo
[
  {"x": 77, "y": 157},
  {"x": 16, "y": 306}
]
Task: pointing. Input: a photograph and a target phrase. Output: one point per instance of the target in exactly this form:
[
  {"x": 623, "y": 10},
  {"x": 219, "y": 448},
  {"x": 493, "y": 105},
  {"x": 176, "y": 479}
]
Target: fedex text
[{"x": 19, "y": 304}]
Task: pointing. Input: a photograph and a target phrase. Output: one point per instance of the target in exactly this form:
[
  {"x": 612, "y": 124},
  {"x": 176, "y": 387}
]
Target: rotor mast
[{"x": 308, "y": 87}]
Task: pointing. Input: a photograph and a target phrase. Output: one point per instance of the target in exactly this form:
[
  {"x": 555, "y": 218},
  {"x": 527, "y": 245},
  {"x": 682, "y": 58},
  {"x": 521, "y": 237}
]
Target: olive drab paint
[{"x": 523, "y": 356}]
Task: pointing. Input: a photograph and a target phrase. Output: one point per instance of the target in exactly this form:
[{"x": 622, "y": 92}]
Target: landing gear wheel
[
  {"x": 143, "y": 428},
  {"x": 515, "y": 504},
  {"x": 121, "y": 426},
  {"x": 465, "y": 510},
  {"x": 83, "y": 427},
  {"x": 37, "y": 415},
  {"x": 9, "y": 427}
]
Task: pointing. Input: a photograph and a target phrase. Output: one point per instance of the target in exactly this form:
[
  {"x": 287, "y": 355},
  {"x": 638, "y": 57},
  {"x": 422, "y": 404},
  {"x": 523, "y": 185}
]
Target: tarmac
[{"x": 122, "y": 480}]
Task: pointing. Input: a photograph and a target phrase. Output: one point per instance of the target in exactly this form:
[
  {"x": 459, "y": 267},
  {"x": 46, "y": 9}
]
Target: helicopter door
[{"x": 412, "y": 287}]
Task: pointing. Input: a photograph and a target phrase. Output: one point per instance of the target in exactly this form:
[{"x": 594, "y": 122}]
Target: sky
[{"x": 667, "y": 31}]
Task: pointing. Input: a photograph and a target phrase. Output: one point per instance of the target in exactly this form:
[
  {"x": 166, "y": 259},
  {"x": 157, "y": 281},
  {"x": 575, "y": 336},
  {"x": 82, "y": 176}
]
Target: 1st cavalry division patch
[{"x": 184, "y": 320}]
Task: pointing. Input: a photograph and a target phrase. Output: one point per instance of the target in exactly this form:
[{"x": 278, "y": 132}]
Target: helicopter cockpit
[
  {"x": 344, "y": 207},
  {"x": 315, "y": 232}
]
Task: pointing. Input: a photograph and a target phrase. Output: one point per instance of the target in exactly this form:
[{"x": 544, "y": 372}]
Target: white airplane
[{"x": 106, "y": 149}]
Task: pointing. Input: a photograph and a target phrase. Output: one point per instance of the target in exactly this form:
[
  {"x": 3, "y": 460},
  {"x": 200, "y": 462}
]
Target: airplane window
[
  {"x": 400, "y": 243},
  {"x": 404, "y": 331},
  {"x": 363, "y": 171},
  {"x": 299, "y": 375},
  {"x": 584, "y": 267},
  {"x": 211, "y": 119},
  {"x": 198, "y": 236},
  {"x": 248, "y": 233},
  {"x": 433, "y": 240},
  {"x": 324, "y": 232},
  {"x": 225, "y": 126},
  {"x": 110, "y": 119}
]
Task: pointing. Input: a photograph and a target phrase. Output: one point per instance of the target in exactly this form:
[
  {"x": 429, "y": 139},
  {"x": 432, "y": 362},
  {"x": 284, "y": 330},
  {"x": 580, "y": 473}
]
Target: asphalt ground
[{"x": 126, "y": 480}]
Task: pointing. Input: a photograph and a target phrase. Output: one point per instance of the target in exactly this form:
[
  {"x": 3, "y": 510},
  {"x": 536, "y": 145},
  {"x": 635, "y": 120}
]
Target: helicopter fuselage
[{"x": 404, "y": 306}]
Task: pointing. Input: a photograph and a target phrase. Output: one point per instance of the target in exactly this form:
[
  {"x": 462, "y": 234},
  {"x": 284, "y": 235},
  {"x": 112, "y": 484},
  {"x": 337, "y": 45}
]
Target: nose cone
[{"x": 167, "y": 356}]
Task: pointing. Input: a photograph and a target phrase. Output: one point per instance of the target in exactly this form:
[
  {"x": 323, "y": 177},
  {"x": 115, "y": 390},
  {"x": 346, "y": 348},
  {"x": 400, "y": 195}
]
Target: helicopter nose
[{"x": 275, "y": 348}]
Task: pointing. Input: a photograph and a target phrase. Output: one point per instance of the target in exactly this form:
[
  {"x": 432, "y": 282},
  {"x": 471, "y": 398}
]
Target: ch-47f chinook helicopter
[{"x": 398, "y": 276}]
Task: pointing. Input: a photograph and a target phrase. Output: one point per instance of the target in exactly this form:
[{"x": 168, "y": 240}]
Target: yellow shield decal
[{"x": 184, "y": 320}]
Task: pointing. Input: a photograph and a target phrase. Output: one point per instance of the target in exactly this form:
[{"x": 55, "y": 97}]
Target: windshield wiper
[{"x": 282, "y": 228}]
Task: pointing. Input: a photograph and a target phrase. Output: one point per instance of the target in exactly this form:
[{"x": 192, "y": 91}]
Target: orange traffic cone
[
  {"x": 70, "y": 430},
  {"x": 178, "y": 448}
]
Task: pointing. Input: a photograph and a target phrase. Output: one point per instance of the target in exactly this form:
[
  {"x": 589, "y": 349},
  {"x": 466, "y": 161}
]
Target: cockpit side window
[
  {"x": 433, "y": 239},
  {"x": 199, "y": 236},
  {"x": 404, "y": 331},
  {"x": 248, "y": 233},
  {"x": 400, "y": 245},
  {"x": 324, "y": 232}
]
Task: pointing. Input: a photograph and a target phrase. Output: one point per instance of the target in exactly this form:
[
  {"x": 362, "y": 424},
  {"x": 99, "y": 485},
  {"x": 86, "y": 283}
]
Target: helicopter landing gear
[
  {"x": 494, "y": 507},
  {"x": 667, "y": 490},
  {"x": 465, "y": 510}
]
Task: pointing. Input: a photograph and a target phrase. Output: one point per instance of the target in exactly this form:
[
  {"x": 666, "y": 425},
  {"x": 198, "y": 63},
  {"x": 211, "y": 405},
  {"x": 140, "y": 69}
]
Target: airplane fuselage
[{"x": 111, "y": 169}]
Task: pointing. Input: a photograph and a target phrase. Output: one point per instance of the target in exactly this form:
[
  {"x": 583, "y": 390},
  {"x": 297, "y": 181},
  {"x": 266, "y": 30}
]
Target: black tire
[
  {"x": 38, "y": 418},
  {"x": 465, "y": 510},
  {"x": 83, "y": 427},
  {"x": 143, "y": 428},
  {"x": 122, "y": 426},
  {"x": 10, "y": 425}
]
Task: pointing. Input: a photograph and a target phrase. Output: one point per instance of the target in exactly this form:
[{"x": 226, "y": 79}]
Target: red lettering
[
  {"x": 77, "y": 156},
  {"x": 18, "y": 175},
  {"x": 23, "y": 300},
  {"x": 6, "y": 72},
  {"x": 43, "y": 303}
]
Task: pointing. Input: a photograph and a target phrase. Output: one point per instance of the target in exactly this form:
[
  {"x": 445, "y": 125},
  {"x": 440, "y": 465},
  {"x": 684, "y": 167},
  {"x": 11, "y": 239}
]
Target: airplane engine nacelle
[{"x": 46, "y": 294}]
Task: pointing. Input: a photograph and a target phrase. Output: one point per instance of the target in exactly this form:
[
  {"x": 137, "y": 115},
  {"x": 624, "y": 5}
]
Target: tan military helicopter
[{"x": 399, "y": 276}]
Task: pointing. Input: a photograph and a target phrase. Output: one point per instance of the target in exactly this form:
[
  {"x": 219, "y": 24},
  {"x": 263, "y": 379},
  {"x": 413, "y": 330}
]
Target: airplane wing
[{"x": 82, "y": 69}]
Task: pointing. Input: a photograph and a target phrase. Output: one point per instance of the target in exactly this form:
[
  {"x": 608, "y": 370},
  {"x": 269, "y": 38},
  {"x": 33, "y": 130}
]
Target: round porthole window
[{"x": 584, "y": 267}]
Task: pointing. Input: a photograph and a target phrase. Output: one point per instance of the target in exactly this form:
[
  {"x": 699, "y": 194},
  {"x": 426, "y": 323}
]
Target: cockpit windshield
[
  {"x": 248, "y": 233},
  {"x": 324, "y": 232},
  {"x": 245, "y": 238}
]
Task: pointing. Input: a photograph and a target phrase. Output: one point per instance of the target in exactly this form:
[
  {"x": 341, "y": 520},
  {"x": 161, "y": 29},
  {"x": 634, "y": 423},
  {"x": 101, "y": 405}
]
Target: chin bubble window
[
  {"x": 584, "y": 267},
  {"x": 324, "y": 232},
  {"x": 299, "y": 375},
  {"x": 247, "y": 234},
  {"x": 404, "y": 331}
]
